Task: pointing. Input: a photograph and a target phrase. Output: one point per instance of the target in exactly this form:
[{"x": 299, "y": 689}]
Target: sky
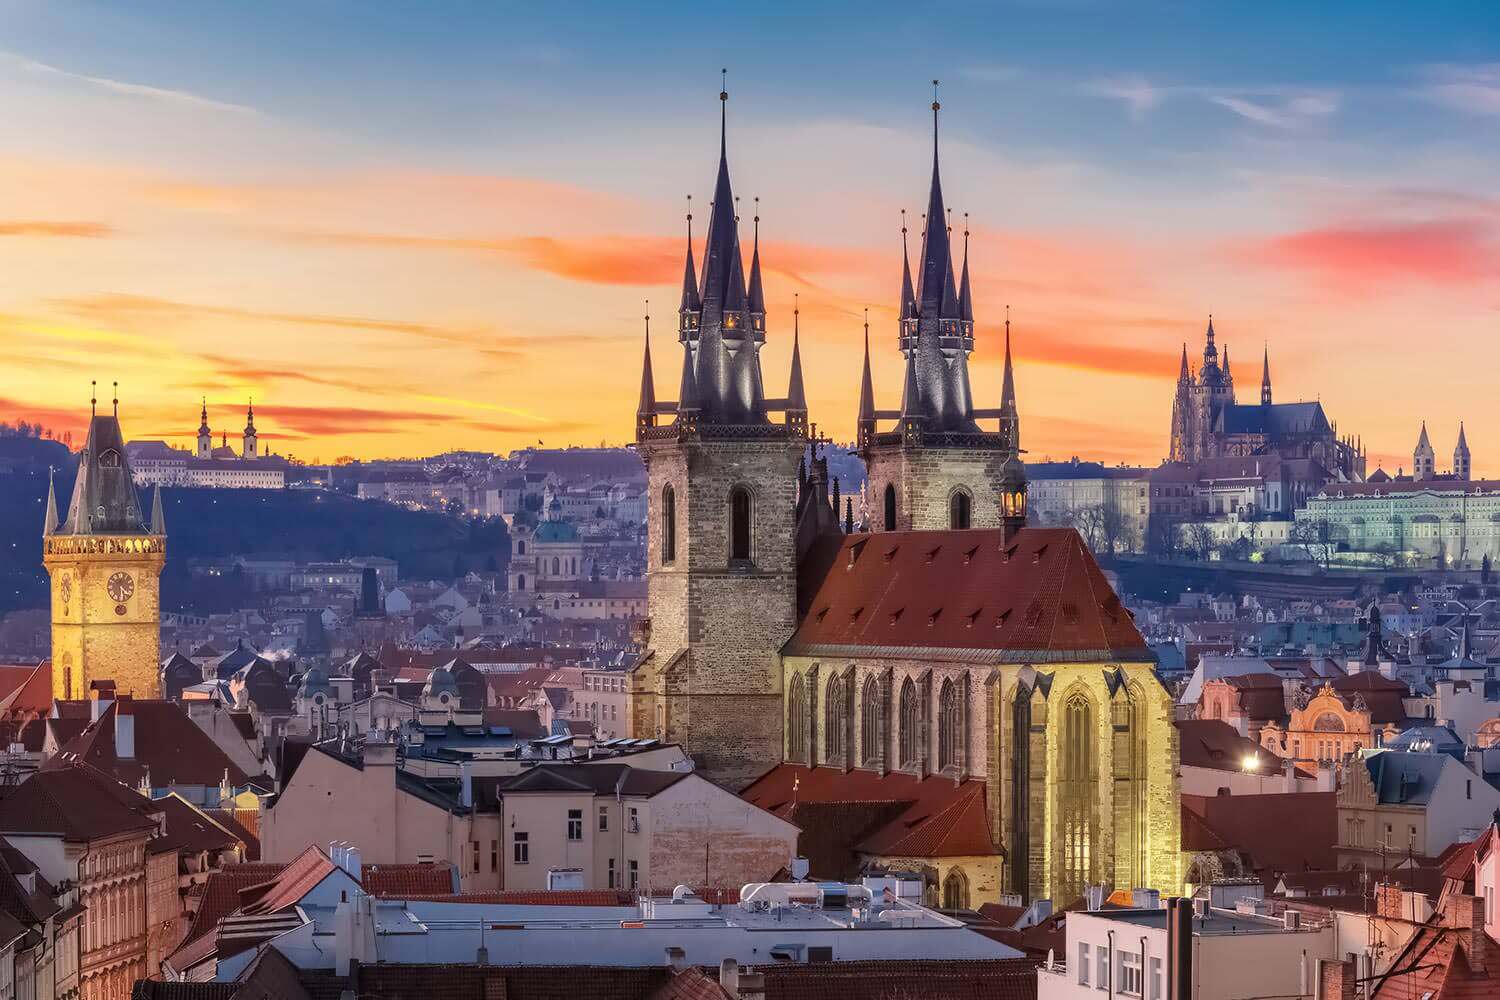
[{"x": 404, "y": 228}]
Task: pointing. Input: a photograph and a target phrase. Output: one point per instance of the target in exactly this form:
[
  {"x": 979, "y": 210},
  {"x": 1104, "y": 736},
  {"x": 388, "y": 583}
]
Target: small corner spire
[
  {"x": 646, "y": 410},
  {"x": 49, "y": 524},
  {"x": 158, "y": 516},
  {"x": 93, "y": 398},
  {"x": 796, "y": 394}
]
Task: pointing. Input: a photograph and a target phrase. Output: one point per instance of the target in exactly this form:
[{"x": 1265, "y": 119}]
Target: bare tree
[
  {"x": 1089, "y": 521},
  {"x": 1314, "y": 539},
  {"x": 1199, "y": 539},
  {"x": 1164, "y": 538}
]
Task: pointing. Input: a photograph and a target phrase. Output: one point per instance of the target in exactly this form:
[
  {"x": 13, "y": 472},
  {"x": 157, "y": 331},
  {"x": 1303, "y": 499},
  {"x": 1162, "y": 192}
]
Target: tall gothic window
[
  {"x": 869, "y": 723},
  {"x": 796, "y": 722},
  {"x": 911, "y": 721},
  {"x": 834, "y": 721},
  {"x": 960, "y": 509},
  {"x": 739, "y": 524},
  {"x": 1076, "y": 793},
  {"x": 890, "y": 507},
  {"x": 950, "y": 726},
  {"x": 668, "y": 524},
  {"x": 955, "y": 890}
]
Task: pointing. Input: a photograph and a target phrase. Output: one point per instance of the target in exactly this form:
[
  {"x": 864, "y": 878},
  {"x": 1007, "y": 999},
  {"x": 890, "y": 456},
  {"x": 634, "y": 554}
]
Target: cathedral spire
[
  {"x": 1265, "y": 377},
  {"x": 1210, "y": 351},
  {"x": 866, "y": 420},
  {"x": 645, "y": 411},
  {"x": 757, "y": 298},
  {"x": 1227, "y": 375},
  {"x": 796, "y": 396},
  {"x": 688, "y": 310},
  {"x": 965, "y": 298},
  {"x": 1182, "y": 376},
  {"x": 104, "y": 498},
  {"x": 1010, "y": 420},
  {"x": 908, "y": 297},
  {"x": 935, "y": 273}
]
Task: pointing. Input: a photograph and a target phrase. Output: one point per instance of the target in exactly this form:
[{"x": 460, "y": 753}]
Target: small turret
[
  {"x": 158, "y": 517},
  {"x": 1265, "y": 378},
  {"x": 645, "y": 411},
  {"x": 866, "y": 421},
  {"x": 1462, "y": 466},
  {"x": 252, "y": 439},
  {"x": 796, "y": 396},
  {"x": 1423, "y": 459},
  {"x": 49, "y": 523}
]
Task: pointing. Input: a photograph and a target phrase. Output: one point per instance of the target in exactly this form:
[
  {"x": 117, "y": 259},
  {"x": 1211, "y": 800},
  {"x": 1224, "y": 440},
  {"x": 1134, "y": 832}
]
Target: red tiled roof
[
  {"x": 406, "y": 880},
  {"x": 221, "y": 897},
  {"x": 1262, "y": 697},
  {"x": 1382, "y": 694},
  {"x": 903, "y": 815},
  {"x": 189, "y": 829},
  {"x": 1439, "y": 966},
  {"x": 1030, "y": 597},
  {"x": 1281, "y": 832},
  {"x": 231, "y": 820},
  {"x": 296, "y": 880},
  {"x": 1457, "y": 862},
  {"x": 1005, "y": 916},
  {"x": 691, "y": 984},
  {"x": 26, "y": 689}
]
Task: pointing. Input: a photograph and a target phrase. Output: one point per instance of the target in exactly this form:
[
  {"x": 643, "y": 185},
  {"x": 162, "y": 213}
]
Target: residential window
[
  {"x": 1156, "y": 990},
  {"x": 634, "y": 826},
  {"x": 603, "y": 819},
  {"x": 522, "y": 853},
  {"x": 612, "y": 873},
  {"x": 1102, "y": 963},
  {"x": 575, "y": 824},
  {"x": 1083, "y": 963},
  {"x": 494, "y": 855},
  {"x": 1132, "y": 979},
  {"x": 475, "y": 853},
  {"x": 633, "y": 868}
]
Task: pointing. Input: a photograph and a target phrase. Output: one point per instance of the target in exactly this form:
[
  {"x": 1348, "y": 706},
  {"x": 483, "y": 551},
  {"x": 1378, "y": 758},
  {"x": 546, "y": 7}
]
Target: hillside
[{"x": 209, "y": 524}]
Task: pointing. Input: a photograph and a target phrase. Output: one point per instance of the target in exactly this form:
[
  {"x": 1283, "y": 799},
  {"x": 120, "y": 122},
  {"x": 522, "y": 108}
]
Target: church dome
[{"x": 441, "y": 681}]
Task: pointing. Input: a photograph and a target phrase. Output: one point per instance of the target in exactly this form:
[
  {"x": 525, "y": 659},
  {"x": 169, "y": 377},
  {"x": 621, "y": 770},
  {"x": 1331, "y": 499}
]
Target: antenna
[{"x": 116, "y": 397}]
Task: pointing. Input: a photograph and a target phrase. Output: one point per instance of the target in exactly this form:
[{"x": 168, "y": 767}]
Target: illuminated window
[
  {"x": 1075, "y": 795},
  {"x": 834, "y": 722}
]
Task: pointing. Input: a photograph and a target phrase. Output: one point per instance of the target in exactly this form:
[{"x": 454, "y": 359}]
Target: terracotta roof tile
[
  {"x": 75, "y": 800},
  {"x": 1033, "y": 596},
  {"x": 1281, "y": 832},
  {"x": 406, "y": 880}
]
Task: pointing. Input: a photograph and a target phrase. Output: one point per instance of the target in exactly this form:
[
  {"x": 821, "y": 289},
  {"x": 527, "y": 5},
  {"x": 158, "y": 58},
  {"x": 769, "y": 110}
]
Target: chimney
[
  {"x": 351, "y": 863},
  {"x": 1465, "y": 914},
  {"x": 676, "y": 958},
  {"x": 729, "y": 976},
  {"x": 102, "y": 695},
  {"x": 1336, "y": 980},
  {"x": 124, "y": 728},
  {"x": 1388, "y": 901},
  {"x": 466, "y": 784}
]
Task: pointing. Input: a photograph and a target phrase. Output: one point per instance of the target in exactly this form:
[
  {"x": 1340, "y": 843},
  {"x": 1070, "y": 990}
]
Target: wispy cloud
[
  {"x": 37, "y": 227},
  {"x": 1138, "y": 94},
  {"x": 162, "y": 95},
  {"x": 1280, "y": 111},
  {"x": 1356, "y": 259},
  {"x": 1473, "y": 88}
]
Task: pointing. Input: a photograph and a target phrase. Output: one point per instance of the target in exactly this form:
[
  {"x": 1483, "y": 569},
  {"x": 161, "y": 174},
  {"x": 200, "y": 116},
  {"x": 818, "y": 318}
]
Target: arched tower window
[
  {"x": 960, "y": 509},
  {"x": 949, "y": 726},
  {"x": 520, "y": 581},
  {"x": 869, "y": 723},
  {"x": 911, "y": 721},
  {"x": 956, "y": 890},
  {"x": 556, "y": 566},
  {"x": 739, "y": 524},
  {"x": 890, "y": 507},
  {"x": 833, "y": 720},
  {"x": 668, "y": 524},
  {"x": 796, "y": 721},
  {"x": 521, "y": 547},
  {"x": 1076, "y": 792}
]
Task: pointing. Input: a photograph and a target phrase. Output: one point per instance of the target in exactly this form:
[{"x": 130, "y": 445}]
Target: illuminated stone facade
[
  {"x": 105, "y": 565},
  {"x": 1325, "y": 727}
]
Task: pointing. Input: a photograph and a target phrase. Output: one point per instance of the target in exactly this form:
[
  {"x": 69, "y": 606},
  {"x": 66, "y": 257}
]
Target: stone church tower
[
  {"x": 105, "y": 563},
  {"x": 721, "y": 558},
  {"x": 937, "y": 469}
]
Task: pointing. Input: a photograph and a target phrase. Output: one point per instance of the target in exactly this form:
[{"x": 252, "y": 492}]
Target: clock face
[{"x": 120, "y": 587}]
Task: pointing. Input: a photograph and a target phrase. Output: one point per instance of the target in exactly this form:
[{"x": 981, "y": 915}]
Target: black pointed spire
[
  {"x": 158, "y": 517},
  {"x": 757, "y": 297},
  {"x": 866, "y": 389},
  {"x": 965, "y": 297},
  {"x": 1010, "y": 419},
  {"x": 104, "y": 498},
  {"x": 49, "y": 523},
  {"x": 1265, "y": 377},
  {"x": 645, "y": 411},
  {"x": 796, "y": 396},
  {"x": 688, "y": 310},
  {"x": 935, "y": 269},
  {"x": 1183, "y": 375}
]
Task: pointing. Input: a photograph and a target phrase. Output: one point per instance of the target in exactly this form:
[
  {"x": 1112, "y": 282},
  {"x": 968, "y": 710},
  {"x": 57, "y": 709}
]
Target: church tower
[
  {"x": 721, "y": 576},
  {"x": 1423, "y": 458},
  {"x": 937, "y": 468},
  {"x": 1463, "y": 467},
  {"x": 205, "y": 436},
  {"x": 252, "y": 440},
  {"x": 105, "y": 561}
]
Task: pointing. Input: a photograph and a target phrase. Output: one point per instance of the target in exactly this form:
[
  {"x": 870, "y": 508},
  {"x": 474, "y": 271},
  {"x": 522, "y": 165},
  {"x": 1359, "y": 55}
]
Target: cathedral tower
[
  {"x": 1423, "y": 458},
  {"x": 938, "y": 469},
  {"x": 1463, "y": 467},
  {"x": 205, "y": 436},
  {"x": 721, "y": 575},
  {"x": 105, "y": 562}
]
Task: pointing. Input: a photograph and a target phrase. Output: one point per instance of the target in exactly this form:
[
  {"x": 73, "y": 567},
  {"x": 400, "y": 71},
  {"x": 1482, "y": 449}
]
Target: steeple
[
  {"x": 965, "y": 299},
  {"x": 1182, "y": 375},
  {"x": 757, "y": 298},
  {"x": 104, "y": 498},
  {"x": 158, "y": 517},
  {"x": 205, "y": 436},
  {"x": 866, "y": 392},
  {"x": 250, "y": 450},
  {"x": 49, "y": 524},
  {"x": 1265, "y": 377},
  {"x": 1010, "y": 420},
  {"x": 1424, "y": 459},
  {"x": 1210, "y": 351},
  {"x": 645, "y": 411},
  {"x": 1462, "y": 465},
  {"x": 796, "y": 397},
  {"x": 908, "y": 297},
  {"x": 935, "y": 267},
  {"x": 1228, "y": 376},
  {"x": 688, "y": 310}
]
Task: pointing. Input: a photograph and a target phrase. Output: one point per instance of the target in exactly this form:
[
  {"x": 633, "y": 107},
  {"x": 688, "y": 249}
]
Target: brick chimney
[
  {"x": 1388, "y": 901},
  {"x": 1465, "y": 915},
  {"x": 124, "y": 728},
  {"x": 1336, "y": 980}
]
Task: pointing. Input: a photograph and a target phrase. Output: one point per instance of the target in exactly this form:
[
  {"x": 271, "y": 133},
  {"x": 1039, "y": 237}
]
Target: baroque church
[
  {"x": 1208, "y": 422},
  {"x": 946, "y": 689}
]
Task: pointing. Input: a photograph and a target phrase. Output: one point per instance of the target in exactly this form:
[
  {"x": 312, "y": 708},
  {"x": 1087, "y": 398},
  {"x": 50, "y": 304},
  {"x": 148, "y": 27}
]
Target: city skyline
[{"x": 403, "y": 241}]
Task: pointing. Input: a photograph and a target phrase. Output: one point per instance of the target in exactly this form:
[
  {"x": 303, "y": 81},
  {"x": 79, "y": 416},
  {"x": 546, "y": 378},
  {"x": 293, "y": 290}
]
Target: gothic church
[{"x": 948, "y": 689}]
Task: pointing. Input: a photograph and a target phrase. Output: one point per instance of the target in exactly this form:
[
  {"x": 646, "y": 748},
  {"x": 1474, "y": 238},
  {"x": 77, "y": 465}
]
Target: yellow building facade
[{"x": 105, "y": 562}]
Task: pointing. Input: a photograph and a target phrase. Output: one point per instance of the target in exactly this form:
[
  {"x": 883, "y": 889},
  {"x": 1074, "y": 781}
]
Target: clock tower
[{"x": 105, "y": 561}]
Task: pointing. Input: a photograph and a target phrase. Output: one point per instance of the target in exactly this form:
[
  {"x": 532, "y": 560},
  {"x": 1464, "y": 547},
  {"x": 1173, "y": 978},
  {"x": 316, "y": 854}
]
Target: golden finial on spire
[{"x": 93, "y": 397}]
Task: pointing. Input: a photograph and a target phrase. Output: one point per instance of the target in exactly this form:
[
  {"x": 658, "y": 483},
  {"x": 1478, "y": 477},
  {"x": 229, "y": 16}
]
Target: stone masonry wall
[{"x": 925, "y": 480}]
